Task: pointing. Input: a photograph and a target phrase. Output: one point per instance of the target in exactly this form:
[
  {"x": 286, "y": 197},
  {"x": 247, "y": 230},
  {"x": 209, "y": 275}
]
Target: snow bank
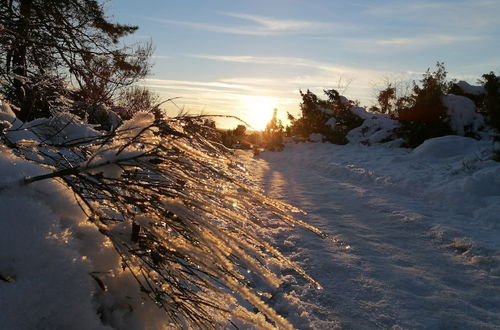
[
  {"x": 379, "y": 128},
  {"x": 446, "y": 147},
  {"x": 56, "y": 270},
  {"x": 46, "y": 282},
  {"x": 63, "y": 128}
]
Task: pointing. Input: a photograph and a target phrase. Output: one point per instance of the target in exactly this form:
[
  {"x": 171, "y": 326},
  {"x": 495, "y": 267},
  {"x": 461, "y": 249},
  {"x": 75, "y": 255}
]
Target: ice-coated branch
[{"x": 182, "y": 217}]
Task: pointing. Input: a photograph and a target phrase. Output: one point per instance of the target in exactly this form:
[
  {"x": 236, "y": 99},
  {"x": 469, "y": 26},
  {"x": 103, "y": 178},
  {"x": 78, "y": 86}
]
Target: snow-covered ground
[{"x": 414, "y": 236}]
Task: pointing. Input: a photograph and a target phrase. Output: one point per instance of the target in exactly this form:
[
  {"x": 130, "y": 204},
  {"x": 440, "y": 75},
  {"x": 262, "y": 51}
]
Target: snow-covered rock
[
  {"x": 462, "y": 113},
  {"x": 374, "y": 130}
]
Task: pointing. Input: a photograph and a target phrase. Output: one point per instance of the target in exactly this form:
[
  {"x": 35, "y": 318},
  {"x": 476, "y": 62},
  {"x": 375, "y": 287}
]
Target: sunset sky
[{"x": 247, "y": 57}]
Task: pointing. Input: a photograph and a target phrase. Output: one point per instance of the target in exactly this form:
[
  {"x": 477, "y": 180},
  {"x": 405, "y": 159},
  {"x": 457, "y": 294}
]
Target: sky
[{"x": 245, "y": 58}]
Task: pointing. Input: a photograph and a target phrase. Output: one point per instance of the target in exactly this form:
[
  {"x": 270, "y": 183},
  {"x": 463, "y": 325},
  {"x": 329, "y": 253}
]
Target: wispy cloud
[
  {"x": 292, "y": 61},
  {"x": 397, "y": 44},
  {"x": 259, "y": 25},
  {"x": 283, "y": 25},
  {"x": 357, "y": 81},
  {"x": 214, "y": 85},
  {"x": 213, "y": 94},
  {"x": 428, "y": 40},
  {"x": 406, "y": 8}
]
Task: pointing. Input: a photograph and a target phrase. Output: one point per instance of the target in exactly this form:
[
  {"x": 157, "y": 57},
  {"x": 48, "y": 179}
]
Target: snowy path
[{"x": 389, "y": 262}]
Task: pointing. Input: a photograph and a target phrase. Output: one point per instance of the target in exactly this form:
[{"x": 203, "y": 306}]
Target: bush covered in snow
[
  {"x": 432, "y": 108},
  {"x": 422, "y": 114},
  {"x": 437, "y": 107},
  {"x": 333, "y": 118}
]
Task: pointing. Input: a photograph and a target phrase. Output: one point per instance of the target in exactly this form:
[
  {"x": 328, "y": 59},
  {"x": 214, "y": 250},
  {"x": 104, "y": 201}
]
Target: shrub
[
  {"x": 273, "y": 134},
  {"x": 387, "y": 99},
  {"x": 136, "y": 99},
  {"x": 180, "y": 215},
  {"x": 491, "y": 102},
  {"x": 231, "y": 137},
  {"x": 422, "y": 114},
  {"x": 332, "y": 118}
]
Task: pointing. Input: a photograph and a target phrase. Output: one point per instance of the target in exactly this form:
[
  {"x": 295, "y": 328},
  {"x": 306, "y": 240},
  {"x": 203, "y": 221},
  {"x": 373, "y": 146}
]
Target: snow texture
[
  {"x": 362, "y": 113},
  {"x": 316, "y": 137},
  {"x": 413, "y": 235},
  {"x": 45, "y": 277},
  {"x": 377, "y": 129}
]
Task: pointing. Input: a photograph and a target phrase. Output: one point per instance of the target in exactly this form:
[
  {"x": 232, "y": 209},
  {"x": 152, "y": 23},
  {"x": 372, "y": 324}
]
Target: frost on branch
[{"x": 179, "y": 212}]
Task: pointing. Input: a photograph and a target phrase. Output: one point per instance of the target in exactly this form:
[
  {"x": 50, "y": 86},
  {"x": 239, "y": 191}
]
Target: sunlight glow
[{"x": 259, "y": 110}]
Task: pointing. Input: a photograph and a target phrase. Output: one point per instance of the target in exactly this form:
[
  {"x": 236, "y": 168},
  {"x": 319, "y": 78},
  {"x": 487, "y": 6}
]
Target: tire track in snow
[{"x": 393, "y": 272}]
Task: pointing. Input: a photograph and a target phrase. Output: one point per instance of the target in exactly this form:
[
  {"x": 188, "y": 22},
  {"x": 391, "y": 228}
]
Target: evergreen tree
[
  {"x": 422, "y": 114},
  {"x": 316, "y": 113},
  {"x": 491, "y": 103},
  {"x": 273, "y": 134},
  {"x": 47, "y": 44}
]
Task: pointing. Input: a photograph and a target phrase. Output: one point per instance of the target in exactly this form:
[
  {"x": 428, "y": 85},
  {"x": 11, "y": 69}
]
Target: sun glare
[{"x": 259, "y": 110}]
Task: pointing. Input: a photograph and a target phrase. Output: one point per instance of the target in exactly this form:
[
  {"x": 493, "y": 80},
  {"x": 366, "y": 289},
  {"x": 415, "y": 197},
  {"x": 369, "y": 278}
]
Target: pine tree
[{"x": 46, "y": 45}]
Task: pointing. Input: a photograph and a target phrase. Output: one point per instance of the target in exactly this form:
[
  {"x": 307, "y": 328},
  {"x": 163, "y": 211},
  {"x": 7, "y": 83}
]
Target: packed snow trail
[{"x": 392, "y": 260}]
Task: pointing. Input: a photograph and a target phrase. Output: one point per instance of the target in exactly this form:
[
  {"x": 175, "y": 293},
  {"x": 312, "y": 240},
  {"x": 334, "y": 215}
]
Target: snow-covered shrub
[
  {"x": 332, "y": 118},
  {"x": 182, "y": 217},
  {"x": 422, "y": 114}
]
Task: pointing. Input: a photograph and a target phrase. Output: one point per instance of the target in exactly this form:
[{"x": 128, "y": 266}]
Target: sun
[{"x": 258, "y": 110}]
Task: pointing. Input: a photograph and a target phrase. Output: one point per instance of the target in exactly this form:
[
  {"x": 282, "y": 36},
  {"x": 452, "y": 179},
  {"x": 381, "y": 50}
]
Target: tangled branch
[{"x": 179, "y": 212}]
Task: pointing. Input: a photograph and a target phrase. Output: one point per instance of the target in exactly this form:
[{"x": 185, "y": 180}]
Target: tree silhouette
[
  {"x": 273, "y": 134},
  {"x": 46, "y": 45}
]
